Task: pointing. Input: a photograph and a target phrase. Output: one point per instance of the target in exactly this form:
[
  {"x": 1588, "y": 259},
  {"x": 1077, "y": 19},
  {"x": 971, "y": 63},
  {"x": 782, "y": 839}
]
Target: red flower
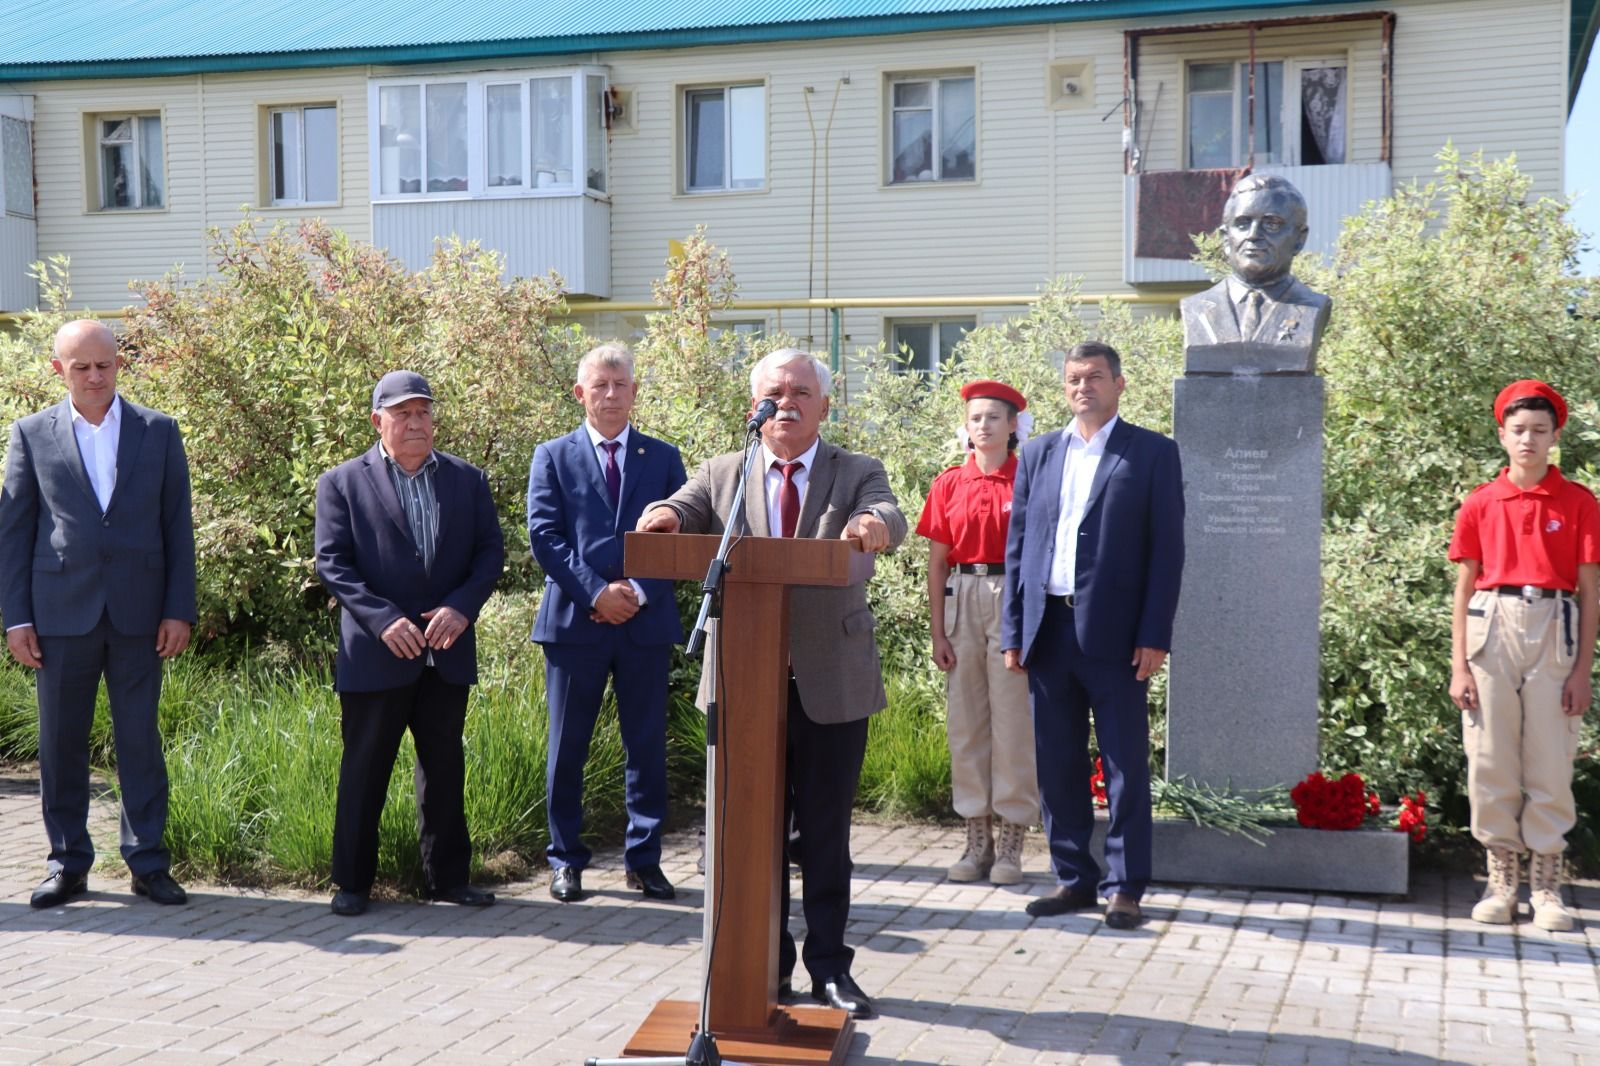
[
  {"x": 1097, "y": 783},
  {"x": 1413, "y": 816},
  {"x": 1321, "y": 803}
]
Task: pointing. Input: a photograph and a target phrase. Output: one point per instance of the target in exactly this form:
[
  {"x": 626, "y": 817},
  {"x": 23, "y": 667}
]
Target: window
[
  {"x": 933, "y": 129},
  {"x": 725, "y": 138},
  {"x": 501, "y": 134},
  {"x": 16, "y": 166},
  {"x": 746, "y": 331},
  {"x": 131, "y": 166},
  {"x": 303, "y": 154},
  {"x": 930, "y": 344},
  {"x": 1300, "y": 113}
]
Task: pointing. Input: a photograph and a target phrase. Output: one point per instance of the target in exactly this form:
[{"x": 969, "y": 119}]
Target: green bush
[{"x": 269, "y": 366}]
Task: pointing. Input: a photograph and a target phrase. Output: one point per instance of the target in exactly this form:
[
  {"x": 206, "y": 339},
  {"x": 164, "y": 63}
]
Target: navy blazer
[
  {"x": 63, "y": 562},
  {"x": 1130, "y": 544},
  {"x": 369, "y": 561},
  {"x": 576, "y": 535}
]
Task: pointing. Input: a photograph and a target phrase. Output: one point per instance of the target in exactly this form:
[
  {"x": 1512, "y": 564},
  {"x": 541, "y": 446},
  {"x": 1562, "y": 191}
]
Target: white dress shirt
[
  {"x": 98, "y": 447},
  {"x": 773, "y": 483},
  {"x": 1077, "y": 477},
  {"x": 596, "y": 440}
]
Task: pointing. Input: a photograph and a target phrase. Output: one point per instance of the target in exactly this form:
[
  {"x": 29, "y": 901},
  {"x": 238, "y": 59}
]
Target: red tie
[
  {"x": 613, "y": 471},
  {"x": 789, "y": 497}
]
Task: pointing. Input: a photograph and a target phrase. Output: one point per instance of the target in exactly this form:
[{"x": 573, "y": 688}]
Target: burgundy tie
[
  {"x": 789, "y": 497},
  {"x": 613, "y": 471}
]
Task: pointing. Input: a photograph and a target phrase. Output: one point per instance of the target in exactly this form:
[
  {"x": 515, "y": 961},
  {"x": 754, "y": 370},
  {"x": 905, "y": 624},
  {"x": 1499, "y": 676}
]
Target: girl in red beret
[
  {"x": 965, "y": 518},
  {"x": 1522, "y": 639}
]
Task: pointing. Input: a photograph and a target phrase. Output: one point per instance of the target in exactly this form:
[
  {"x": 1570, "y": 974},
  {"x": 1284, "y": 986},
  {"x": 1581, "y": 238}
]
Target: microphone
[{"x": 763, "y": 413}]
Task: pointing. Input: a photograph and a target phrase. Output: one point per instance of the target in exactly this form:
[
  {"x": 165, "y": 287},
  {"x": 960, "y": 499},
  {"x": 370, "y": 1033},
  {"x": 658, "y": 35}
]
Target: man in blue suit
[
  {"x": 1093, "y": 561},
  {"x": 585, "y": 490},
  {"x": 408, "y": 542},
  {"x": 97, "y": 579}
]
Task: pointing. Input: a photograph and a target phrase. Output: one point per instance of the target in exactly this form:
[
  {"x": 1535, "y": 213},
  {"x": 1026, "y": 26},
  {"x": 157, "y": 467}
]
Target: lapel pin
[{"x": 641, "y": 451}]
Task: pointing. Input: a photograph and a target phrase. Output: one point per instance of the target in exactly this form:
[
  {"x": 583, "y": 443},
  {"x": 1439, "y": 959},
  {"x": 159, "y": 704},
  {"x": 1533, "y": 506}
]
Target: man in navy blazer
[
  {"x": 1094, "y": 557},
  {"x": 585, "y": 490},
  {"x": 97, "y": 578},
  {"x": 408, "y": 542}
]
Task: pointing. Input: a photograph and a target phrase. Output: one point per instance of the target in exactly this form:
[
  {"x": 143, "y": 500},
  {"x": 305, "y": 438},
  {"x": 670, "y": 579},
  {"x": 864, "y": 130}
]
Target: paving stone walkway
[{"x": 961, "y": 974}]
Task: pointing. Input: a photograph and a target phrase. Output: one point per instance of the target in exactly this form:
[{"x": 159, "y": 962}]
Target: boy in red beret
[
  {"x": 1522, "y": 639},
  {"x": 990, "y": 726}
]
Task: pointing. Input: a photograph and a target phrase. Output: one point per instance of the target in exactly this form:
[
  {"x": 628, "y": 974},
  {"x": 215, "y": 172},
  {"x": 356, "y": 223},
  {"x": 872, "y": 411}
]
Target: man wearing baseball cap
[
  {"x": 408, "y": 542},
  {"x": 1522, "y": 638}
]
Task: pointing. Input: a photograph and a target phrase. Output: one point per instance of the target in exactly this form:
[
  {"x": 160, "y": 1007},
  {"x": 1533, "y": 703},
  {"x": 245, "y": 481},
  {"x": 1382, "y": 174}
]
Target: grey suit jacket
[
  {"x": 63, "y": 562},
  {"x": 831, "y": 646},
  {"x": 1284, "y": 341}
]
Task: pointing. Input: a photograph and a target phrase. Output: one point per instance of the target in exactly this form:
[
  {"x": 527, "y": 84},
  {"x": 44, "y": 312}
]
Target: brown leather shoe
[{"x": 1123, "y": 912}]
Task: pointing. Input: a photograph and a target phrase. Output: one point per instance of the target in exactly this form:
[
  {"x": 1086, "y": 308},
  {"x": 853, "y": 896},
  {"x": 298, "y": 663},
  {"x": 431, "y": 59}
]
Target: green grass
[{"x": 253, "y": 756}]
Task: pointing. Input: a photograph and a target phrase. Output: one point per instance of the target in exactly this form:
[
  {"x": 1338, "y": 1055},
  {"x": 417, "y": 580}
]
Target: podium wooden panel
[{"x": 752, "y": 702}]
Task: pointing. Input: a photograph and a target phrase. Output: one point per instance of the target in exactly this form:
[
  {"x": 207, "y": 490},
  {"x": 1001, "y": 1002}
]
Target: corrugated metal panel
[
  {"x": 534, "y": 234},
  {"x": 252, "y": 35},
  {"x": 18, "y": 248}
]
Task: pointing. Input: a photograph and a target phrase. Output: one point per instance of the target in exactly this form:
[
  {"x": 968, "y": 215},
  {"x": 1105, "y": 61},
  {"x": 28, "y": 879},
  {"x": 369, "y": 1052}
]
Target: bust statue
[{"x": 1260, "y": 319}]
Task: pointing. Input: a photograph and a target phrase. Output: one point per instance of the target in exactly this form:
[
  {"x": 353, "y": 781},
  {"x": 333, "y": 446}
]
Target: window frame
[
  {"x": 685, "y": 130},
  {"x": 94, "y": 123},
  {"x": 935, "y": 78},
  {"x": 269, "y": 166},
  {"x": 938, "y": 358},
  {"x": 1292, "y": 102},
  {"x": 477, "y": 85}
]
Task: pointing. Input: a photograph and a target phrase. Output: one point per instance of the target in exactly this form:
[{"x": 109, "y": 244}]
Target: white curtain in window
[
  {"x": 400, "y": 139},
  {"x": 152, "y": 178},
  {"x": 447, "y": 137},
  {"x": 503, "y": 129},
  {"x": 552, "y": 132},
  {"x": 321, "y": 126},
  {"x": 16, "y": 152},
  {"x": 1322, "y": 110}
]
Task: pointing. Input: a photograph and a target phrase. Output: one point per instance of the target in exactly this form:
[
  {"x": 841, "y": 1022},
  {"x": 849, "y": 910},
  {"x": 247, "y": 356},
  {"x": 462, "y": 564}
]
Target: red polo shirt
[
  {"x": 970, "y": 511},
  {"x": 1538, "y": 536}
]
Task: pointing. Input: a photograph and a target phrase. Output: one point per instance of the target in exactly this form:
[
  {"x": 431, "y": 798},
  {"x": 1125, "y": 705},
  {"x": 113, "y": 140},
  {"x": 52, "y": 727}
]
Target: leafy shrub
[{"x": 269, "y": 367}]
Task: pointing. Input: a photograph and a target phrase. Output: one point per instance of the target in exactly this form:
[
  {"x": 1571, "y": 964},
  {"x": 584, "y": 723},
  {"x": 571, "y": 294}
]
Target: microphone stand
[{"x": 703, "y": 1049}]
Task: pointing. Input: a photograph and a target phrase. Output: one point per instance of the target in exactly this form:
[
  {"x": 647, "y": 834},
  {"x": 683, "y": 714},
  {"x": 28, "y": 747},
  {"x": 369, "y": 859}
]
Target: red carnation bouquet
[
  {"x": 1414, "y": 816},
  {"x": 1097, "y": 783},
  {"x": 1321, "y": 802}
]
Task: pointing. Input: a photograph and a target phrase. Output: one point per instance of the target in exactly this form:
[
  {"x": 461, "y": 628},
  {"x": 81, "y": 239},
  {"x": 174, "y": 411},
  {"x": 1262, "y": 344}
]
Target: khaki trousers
[
  {"x": 1520, "y": 746},
  {"x": 989, "y": 723}
]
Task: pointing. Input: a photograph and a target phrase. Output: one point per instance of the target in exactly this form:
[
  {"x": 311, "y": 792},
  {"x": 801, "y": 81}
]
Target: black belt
[
  {"x": 1531, "y": 592},
  {"x": 1068, "y": 601},
  {"x": 981, "y": 569}
]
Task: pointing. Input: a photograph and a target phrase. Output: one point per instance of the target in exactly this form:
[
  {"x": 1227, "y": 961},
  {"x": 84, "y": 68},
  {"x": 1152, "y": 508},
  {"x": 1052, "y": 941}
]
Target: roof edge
[
  {"x": 1582, "y": 48},
  {"x": 397, "y": 55}
]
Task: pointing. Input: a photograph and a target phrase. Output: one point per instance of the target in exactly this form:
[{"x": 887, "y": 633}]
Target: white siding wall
[
  {"x": 213, "y": 160},
  {"x": 1488, "y": 74}
]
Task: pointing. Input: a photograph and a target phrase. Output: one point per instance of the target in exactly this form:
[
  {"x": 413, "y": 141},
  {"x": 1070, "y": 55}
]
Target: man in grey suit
[
  {"x": 809, "y": 488},
  {"x": 97, "y": 579},
  {"x": 1260, "y": 319}
]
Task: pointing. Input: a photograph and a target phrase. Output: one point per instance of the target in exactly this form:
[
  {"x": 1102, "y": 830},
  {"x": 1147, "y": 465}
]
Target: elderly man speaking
[
  {"x": 811, "y": 489},
  {"x": 408, "y": 542}
]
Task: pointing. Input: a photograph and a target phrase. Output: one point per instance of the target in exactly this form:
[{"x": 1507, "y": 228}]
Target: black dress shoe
[
  {"x": 785, "y": 987},
  {"x": 348, "y": 904},
  {"x": 58, "y": 888},
  {"x": 463, "y": 895},
  {"x": 161, "y": 888},
  {"x": 842, "y": 993},
  {"x": 567, "y": 884},
  {"x": 1062, "y": 901},
  {"x": 1123, "y": 912},
  {"x": 652, "y": 882}
]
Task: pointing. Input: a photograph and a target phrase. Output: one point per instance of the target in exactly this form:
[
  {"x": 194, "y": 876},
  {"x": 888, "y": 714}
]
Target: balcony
[
  {"x": 1333, "y": 194},
  {"x": 568, "y": 234},
  {"x": 19, "y": 242}
]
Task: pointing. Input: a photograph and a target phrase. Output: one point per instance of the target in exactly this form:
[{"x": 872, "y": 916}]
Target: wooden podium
[{"x": 752, "y": 653}]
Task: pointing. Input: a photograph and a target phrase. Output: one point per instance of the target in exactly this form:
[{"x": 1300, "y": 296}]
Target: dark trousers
[
  {"x": 373, "y": 724},
  {"x": 1064, "y": 684},
  {"x": 574, "y": 682},
  {"x": 822, "y": 768},
  {"x": 67, "y": 683}
]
